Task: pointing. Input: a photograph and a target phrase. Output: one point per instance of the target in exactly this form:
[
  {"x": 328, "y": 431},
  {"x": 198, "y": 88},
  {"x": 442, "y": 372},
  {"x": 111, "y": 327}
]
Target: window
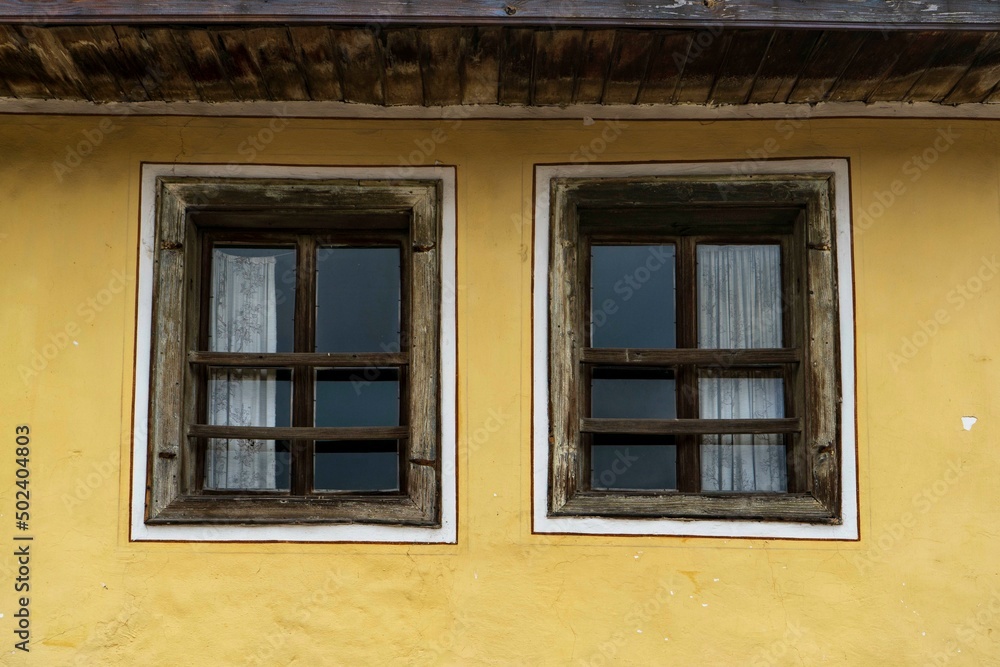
[
  {"x": 693, "y": 350},
  {"x": 296, "y": 353}
]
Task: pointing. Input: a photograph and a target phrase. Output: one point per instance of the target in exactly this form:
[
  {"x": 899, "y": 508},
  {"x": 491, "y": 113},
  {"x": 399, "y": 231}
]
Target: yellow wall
[{"x": 922, "y": 586}]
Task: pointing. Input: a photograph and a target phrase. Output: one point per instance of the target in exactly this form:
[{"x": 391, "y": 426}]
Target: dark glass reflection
[
  {"x": 357, "y": 300},
  {"x": 633, "y": 296},
  {"x": 621, "y": 393},
  {"x": 357, "y": 465},
  {"x": 357, "y": 397},
  {"x": 249, "y": 396},
  {"x": 633, "y": 462},
  {"x": 252, "y": 299}
]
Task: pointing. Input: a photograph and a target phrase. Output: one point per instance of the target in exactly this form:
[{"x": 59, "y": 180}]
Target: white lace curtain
[
  {"x": 244, "y": 319},
  {"x": 739, "y": 306}
]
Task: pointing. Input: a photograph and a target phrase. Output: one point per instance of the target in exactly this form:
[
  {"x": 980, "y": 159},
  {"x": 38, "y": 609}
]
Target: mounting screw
[{"x": 509, "y": 10}]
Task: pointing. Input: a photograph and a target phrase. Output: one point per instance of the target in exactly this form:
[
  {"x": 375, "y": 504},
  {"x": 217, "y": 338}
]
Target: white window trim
[
  {"x": 542, "y": 523},
  {"x": 448, "y": 531}
]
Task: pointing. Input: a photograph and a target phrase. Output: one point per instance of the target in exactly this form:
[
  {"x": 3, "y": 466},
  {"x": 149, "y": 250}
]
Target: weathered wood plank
[
  {"x": 952, "y": 61},
  {"x": 515, "y": 66},
  {"x": 277, "y": 61},
  {"x": 361, "y": 63},
  {"x": 164, "y": 75},
  {"x": 980, "y": 79},
  {"x": 666, "y": 64},
  {"x": 772, "y": 507},
  {"x": 877, "y": 55},
  {"x": 61, "y": 76},
  {"x": 241, "y": 65},
  {"x": 441, "y": 64},
  {"x": 89, "y": 48},
  {"x": 137, "y": 64},
  {"x": 318, "y": 360},
  {"x": 318, "y": 61},
  {"x": 708, "y": 358},
  {"x": 404, "y": 82},
  {"x": 708, "y": 51},
  {"x": 737, "y": 74},
  {"x": 592, "y": 72},
  {"x": 628, "y": 66},
  {"x": 908, "y": 68},
  {"x": 557, "y": 54},
  {"x": 690, "y": 426},
  {"x": 196, "y": 49},
  {"x": 748, "y": 13},
  {"x": 779, "y": 70},
  {"x": 828, "y": 61},
  {"x": 481, "y": 65},
  {"x": 335, "y": 433}
]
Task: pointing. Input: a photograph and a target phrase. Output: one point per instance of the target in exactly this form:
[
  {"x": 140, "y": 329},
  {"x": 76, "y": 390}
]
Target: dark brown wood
[
  {"x": 829, "y": 59},
  {"x": 164, "y": 66},
  {"x": 240, "y": 64},
  {"x": 701, "y": 67},
  {"x": 197, "y": 51},
  {"x": 298, "y": 432},
  {"x": 950, "y": 64},
  {"x": 768, "y": 507},
  {"x": 595, "y": 61},
  {"x": 779, "y": 69},
  {"x": 690, "y": 426},
  {"x": 481, "y": 65},
  {"x": 980, "y": 78},
  {"x": 748, "y": 13},
  {"x": 20, "y": 66},
  {"x": 318, "y": 61},
  {"x": 279, "y": 65},
  {"x": 404, "y": 82},
  {"x": 55, "y": 66},
  {"x": 628, "y": 66},
  {"x": 441, "y": 64},
  {"x": 557, "y": 57},
  {"x": 304, "y": 359},
  {"x": 516, "y": 55},
  {"x": 736, "y": 76},
  {"x": 701, "y": 357},
  {"x": 908, "y": 68},
  {"x": 873, "y": 59},
  {"x": 666, "y": 64},
  {"x": 93, "y": 50},
  {"x": 361, "y": 64}
]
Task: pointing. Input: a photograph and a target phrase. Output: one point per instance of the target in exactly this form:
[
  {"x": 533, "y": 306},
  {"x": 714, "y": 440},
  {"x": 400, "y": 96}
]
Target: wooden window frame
[
  {"x": 656, "y": 207},
  {"x": 186, "y": 207}
]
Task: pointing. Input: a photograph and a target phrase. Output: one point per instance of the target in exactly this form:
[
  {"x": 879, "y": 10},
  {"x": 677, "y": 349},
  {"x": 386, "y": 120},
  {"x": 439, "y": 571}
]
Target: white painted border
[
  {"x": 351, "y": 110},
  {"x": 448, "y": 531},
  {"x": 848, "y": 530}
]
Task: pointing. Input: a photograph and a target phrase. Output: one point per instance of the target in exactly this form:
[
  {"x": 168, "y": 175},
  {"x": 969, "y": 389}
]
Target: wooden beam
[{"x": 957, "y": 14}]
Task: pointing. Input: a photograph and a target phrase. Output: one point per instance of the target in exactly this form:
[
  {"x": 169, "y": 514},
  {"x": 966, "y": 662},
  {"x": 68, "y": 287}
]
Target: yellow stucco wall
[{"x": 922, "y": 586}]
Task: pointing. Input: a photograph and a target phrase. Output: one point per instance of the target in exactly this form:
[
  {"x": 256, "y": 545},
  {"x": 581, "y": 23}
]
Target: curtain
[
  {"x": 244, "y": 319},
  {"x": 739, "y": 306}
]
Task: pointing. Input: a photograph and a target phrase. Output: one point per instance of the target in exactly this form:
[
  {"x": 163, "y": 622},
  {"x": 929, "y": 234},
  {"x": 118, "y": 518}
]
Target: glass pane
[
  {"x": 741, "y": 394},
  {"x": 632, "y": 296},
  {"x": 744, "y": 462},
  {"x": 357, "y": 465},
  {"x": 252, "y": 300},
  {"x": 357, "y": 397},
  {"x": 249, "y": 396},
  {"x": 358, "y": 300},
  {"x": 633, "y": 462},
  {"x": 618, "y": 393},
  {"x": 739, "y": 296},
  {"x": 239, "y": 464}
]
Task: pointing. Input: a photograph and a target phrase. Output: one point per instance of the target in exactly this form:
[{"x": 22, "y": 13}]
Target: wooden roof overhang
[{"x": 501, "y": 54}]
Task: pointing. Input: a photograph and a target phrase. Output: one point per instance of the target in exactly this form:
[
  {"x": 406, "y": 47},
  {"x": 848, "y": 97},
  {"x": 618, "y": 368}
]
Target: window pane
[
  {"x": 633, "y": 462},
  {"x": 743, "y": 462},
  {"x": 741, "y": 394},
  {"x": 739, "y": 296},
  {"x": 357, "y": 465},
  {"x": 357, "y": 397},
  {"x": 238, "y": 464},
  {"x": 619, "y": 393},
  {"x": 249, "y": 396},
  {"x": 632, "y": 296},
  {"x": 358, "y": 300},
  {"x": 252, "y": 300}
]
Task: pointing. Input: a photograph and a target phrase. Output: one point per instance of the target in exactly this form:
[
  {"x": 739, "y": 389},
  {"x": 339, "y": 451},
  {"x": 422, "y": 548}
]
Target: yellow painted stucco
[{"x": 921, "y": 587}]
